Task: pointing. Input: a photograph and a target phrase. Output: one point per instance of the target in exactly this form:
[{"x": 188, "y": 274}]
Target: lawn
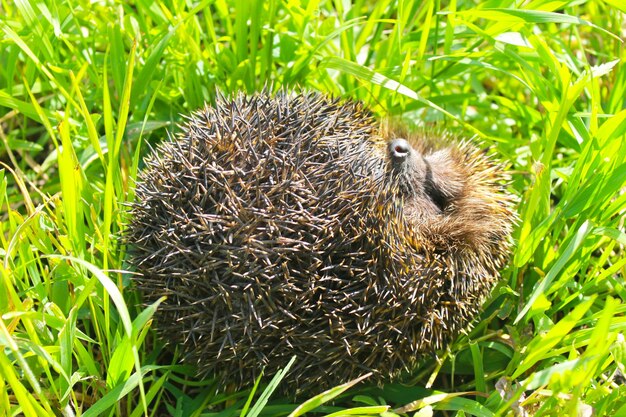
[{"x": 87, "y": 88}]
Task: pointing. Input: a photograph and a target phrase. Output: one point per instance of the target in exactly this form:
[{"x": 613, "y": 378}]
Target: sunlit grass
[{"x": 86, "y": 86}]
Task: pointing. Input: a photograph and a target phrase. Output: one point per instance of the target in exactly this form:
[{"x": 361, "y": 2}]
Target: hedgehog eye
[
  {"x": 435, "y": 194},
  {"x": 437, "y": 197}
]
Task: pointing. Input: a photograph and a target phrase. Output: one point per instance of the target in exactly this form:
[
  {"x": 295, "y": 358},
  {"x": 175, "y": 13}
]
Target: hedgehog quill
[{"x": 295, "y": 224}]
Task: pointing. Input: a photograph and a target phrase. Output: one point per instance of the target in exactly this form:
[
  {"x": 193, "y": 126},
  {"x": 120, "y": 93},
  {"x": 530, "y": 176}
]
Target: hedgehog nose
[{"x": 399, "y": 148}]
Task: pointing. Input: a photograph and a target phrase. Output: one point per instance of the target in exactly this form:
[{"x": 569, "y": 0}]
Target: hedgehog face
[
  {"x": 448, "y": 197},
  {"x": 427, "y": 182}
]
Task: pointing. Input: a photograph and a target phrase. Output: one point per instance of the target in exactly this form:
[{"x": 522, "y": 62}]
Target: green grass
[{"x": 84, "y": 86}]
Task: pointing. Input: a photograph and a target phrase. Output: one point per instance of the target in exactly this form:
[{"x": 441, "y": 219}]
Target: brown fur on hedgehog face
[{"x": 448, "y": 197}]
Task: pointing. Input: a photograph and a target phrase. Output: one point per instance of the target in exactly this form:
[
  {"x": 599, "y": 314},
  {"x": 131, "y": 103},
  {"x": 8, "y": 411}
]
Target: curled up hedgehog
[{"x": 296, "y": 225}]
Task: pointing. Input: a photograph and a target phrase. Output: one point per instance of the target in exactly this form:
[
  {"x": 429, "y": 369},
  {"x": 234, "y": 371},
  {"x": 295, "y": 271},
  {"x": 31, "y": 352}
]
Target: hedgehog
[{"x": 300, "y": 225}]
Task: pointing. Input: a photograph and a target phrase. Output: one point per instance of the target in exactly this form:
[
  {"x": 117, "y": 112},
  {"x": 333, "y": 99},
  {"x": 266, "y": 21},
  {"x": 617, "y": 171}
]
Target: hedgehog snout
[
  {"x": 423, "y": 184},
  {"x": 399, "y": 149},
  {"x": 405, "y": 159},
  {"x": 408, "y": 166}
]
